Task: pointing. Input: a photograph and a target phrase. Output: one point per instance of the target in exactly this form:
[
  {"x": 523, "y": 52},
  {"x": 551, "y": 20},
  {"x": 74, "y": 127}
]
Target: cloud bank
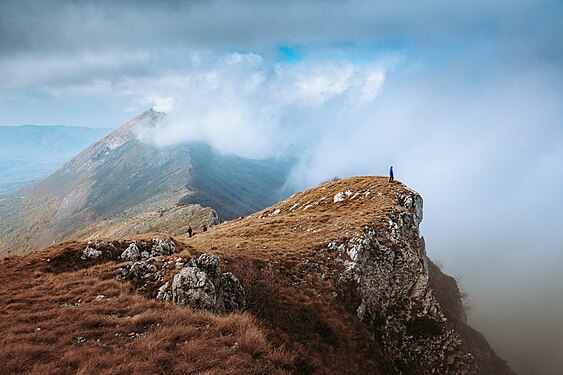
[
  {"x": 464, "y": 101},
  {"x": 239, "y": 104}
]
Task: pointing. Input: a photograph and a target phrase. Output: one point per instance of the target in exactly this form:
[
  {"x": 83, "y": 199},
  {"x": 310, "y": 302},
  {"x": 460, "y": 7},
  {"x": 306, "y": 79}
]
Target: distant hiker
[
  {"x": 190, "y": 231},
  {"x": 391, "y": 178},
  {"x": 204, "y": 228}
]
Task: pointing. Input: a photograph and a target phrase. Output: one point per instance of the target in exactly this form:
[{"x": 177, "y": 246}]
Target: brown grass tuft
[{"x": 253, "y": 342}]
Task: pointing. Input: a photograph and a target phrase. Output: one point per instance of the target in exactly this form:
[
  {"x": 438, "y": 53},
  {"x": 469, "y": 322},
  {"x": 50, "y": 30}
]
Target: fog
[
  {"x": 485, "y": 155},
  {"x": 465, "y": 102}
]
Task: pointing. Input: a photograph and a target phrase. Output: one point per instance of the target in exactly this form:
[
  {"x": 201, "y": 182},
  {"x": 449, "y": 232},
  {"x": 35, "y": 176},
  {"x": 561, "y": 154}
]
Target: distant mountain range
[
  {"x": 119, "y": 180},
  {"x": 31, "y": 152}
]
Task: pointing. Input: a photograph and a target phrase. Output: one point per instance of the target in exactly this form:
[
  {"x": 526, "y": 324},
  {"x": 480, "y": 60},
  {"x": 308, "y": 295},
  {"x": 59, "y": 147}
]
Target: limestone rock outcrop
[
  {"x": 98, "y": 249},
  {"x": 142, "y": 272},
  {"x": 389, "y": 264},
  {"x": 144, "y": 250},
  {"x": 135, "y": 250},
  {"x": 202, "y": 285},
  {"x": 199, "y": 284}
]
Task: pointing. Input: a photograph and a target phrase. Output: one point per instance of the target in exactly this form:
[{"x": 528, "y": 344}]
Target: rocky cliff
[
  {"x": 364, "y": 233},
  {"x": 422, "y": 333}
]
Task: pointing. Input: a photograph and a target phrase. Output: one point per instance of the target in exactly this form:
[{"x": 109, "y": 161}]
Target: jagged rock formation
[
  {"x": 98, "y": 250},
  {"x": 144, "y": 251},
  {"x": 134, "y": 251},
  {"x": 390, "y": 268},
  {"x": 199, "y": 284},
  {"x": 120, "y": 186},
  {"x": 143, "y": 274},
  {"x": 202, "y": 285}
]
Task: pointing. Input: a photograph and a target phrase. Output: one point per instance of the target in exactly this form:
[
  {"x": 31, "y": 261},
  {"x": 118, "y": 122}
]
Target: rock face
[
  {"x": 390, "y": 267},
  {"x": 142, "y": 273},
  {"x": 201, "y": 285},
  {"x": 148, "y": 267},
  {"x": 134, "y": 251}
]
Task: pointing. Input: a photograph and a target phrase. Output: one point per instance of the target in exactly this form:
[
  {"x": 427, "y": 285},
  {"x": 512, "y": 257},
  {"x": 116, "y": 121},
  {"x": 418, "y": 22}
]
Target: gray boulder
[
  {"x": 233, "y": 293},
  {"x": 97, "y": 249},
  {"x": 143, "y": 250},
  {"x": 195, "y": 288},
  {"x": 91, "y": 253},
  {"x": 164, "y": 292},
  {"x": 141, "y": 272},
  {"x": 162, "y": 247},
  {"x": 201, "y": 285},
  {"x": 131, "y": 253}
]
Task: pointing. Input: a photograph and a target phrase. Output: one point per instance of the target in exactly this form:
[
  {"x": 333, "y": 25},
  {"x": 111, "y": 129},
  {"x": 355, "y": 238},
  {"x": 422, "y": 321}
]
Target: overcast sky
[{"x": 465, "y": 101}]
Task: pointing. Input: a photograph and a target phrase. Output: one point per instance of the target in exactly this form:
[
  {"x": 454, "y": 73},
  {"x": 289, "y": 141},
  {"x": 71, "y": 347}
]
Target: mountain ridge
[
  {"x": 365, "y": 230},
  {"x": 119, "y": 177},
  {"x": 336, "y": 280}
]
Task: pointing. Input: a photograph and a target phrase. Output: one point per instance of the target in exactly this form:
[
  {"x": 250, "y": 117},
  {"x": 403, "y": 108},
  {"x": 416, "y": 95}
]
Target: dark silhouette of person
[
  {"x": 391, "y": 178},
  {"x": 190, "y": 231}
]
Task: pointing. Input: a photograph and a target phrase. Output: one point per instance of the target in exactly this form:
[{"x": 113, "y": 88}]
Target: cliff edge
[{"x": 363, "y": 233}]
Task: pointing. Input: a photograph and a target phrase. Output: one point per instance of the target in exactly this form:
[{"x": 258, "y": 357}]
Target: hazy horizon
[{"x": 464, "y": 101}]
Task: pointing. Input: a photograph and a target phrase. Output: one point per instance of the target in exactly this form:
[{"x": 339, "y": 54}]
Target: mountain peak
[
  {"x": 147, "y": 118},
  {"x": 120, "y": 179}
]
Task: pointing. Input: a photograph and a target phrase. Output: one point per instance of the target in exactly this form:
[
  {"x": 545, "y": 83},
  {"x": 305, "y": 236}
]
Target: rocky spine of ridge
[
  {"x": 363, "y": 233},
  {"x": 390, "y": 268},
  {"x": 422, "y": 334}
]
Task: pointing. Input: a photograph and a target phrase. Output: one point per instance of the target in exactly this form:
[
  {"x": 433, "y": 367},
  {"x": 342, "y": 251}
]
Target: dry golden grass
[
  {"x": 281, "y": 256},
  {"x": 300, "y": 318},
  {"x": 85, "y": 322},
  {"x": 304, "y": 220}
]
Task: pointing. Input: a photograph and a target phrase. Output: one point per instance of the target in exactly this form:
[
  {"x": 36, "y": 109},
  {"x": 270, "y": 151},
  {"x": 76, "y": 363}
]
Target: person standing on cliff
[
  {"x": 190, "y": 231},
  {"x": 391, "y": 178}
]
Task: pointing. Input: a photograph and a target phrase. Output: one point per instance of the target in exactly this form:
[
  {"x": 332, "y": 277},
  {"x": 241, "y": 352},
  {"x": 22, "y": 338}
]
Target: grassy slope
[
  {"x": 300, "y": 318},
  {"x": 62, "y": 315}
]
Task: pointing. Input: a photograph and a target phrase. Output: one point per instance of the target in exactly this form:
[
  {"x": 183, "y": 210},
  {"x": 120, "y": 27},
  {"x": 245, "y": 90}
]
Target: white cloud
[
  {"x": 313, "y": 84},
  {"x": 244, "y": 107},
  {"x": 243, "y": 58},
  {"x": 165, "y": 104}
]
